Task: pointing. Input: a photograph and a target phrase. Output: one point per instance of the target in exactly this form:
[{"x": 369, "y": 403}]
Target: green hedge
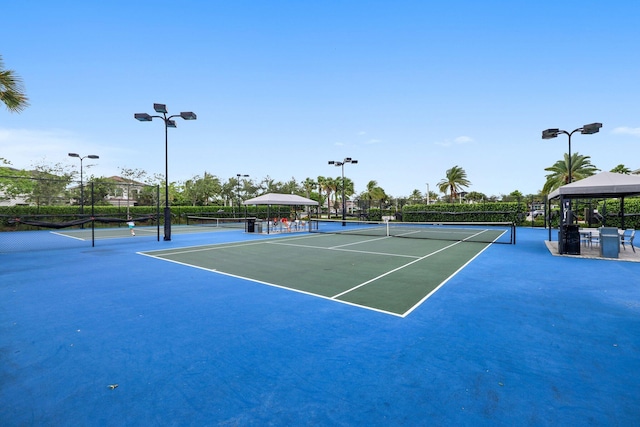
[{"x": 466, "y": 212}]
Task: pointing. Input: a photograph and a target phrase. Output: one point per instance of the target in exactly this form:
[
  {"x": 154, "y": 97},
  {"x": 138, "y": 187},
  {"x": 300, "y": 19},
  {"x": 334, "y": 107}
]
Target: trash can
[
  {"x": 609, "y": 242},
  {"x": 251, "y": 225},
  {"x": 258, "y": 227},
  {"x": 569, "y": 239}
]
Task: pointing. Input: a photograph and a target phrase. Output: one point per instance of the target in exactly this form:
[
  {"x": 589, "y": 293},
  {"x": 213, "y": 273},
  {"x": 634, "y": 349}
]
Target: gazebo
[
  {"x": 601, "y": 186},
  {"x": 271, "y": 199}
]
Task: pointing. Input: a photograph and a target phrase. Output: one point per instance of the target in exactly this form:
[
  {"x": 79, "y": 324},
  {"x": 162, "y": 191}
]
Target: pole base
[{"x": 167, "y": 223}]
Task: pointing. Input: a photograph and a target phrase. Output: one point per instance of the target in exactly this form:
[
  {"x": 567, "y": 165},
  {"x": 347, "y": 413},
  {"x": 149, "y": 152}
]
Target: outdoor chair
[
  {"x": 627, "y": 237},
  {"x": 585, "y": 238}
]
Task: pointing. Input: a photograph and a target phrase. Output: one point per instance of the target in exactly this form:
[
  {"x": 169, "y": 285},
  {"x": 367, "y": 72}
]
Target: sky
[{"x": 408, "y": 88}]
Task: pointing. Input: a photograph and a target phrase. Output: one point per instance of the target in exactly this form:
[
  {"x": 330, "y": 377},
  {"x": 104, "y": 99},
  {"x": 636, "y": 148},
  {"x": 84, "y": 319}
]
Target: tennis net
[
  {"x": 209, "y": 221},
  {"x": 487, "y": 232}
]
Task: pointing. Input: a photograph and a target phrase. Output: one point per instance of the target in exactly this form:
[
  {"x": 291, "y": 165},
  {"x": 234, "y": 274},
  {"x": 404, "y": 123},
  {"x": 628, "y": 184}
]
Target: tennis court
[
  {"x": 386, "y": 274},
  {"x": 104, "y": 336},
  {"x": 141, "y": 231}
]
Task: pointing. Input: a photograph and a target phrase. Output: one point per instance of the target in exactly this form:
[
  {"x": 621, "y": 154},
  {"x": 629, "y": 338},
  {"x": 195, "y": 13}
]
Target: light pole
[
  {"x": 569, "y": 239},
  {"x": 341, "y": 164},
  {"x": 90, "y": 156},
  {"x": 239, "y": 175},
  {"x": 585, "y": 130},
  {"x": 428, "y": 194},
  {"x": 168, "y": 123}
]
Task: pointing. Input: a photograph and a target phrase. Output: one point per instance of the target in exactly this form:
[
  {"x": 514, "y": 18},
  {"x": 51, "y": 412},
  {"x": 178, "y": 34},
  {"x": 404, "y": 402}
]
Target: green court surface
[{"x": 385, "y": 274}]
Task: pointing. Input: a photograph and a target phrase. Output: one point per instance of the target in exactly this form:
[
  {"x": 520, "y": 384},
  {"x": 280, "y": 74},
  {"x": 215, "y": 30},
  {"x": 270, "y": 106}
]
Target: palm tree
[
  {"x": 326, "y": 184},
  {"x": 581, "y": 168},
  {"x": 348, "y": 189},
  {"x": 332, "y": 185},
  {"x": 415, "y": 196},
  {"x": 12, "y": 90},
  {"x": 373, "y": 192},
  {"x": 621, "y": 169},
  {"x": 456, "y": 180},
  {"x": 308, "y": 185}
]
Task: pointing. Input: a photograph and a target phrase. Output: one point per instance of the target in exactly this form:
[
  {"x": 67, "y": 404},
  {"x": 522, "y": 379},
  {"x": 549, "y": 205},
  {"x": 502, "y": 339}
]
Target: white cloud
[
  {"x": 372, "y": 141},
  {"x": 25, "y": 148},
  {"x": 624, "y": 130},
  {"x": 462, "y": 140}
]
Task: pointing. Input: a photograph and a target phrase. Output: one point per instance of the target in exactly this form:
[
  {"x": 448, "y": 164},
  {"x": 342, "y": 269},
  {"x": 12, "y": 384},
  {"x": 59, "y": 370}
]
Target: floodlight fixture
[
  {"x": 550, "y": 133},
  {"x": 188, "y": 115},
  {"x": 590, "y": 129},
  {"x": 160, "y": 108},
  {"x": 143, "y": 117}
]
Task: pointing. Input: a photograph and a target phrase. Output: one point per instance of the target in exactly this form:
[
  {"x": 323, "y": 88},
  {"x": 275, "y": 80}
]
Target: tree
[
  {"x": 50, "y": 185},
  {"x": 12, "y": 92},
  {"x": 331, "y": 185},
  {"x": 621, "y": 169},
  {"x": 200, "y": 191},
  {"x": 514, "y": 196},
  {"x": 415, "y": 196},
  {"x": 348, "y": 190},
  {"x": 290, "y": 187},
  {"x": 581, "y": 168},
  {"x": 308, "y": 185},
  {"x": 373, "y": 192},
  {"x": 102, "y": 188},
  {"x": 455, "y": 181},
  {"x": 130, "y": 175},
  {"x": 325, "y": 184},
  {"x": 475, "y": 196},
  {"x": 13, "y": 182}
]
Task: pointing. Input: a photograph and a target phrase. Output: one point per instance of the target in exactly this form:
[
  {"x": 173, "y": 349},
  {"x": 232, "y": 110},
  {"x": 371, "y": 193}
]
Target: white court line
[
  {"x": 394, "y": 270},
  {"x": 406, "y": 313},
  {"x": 57, "y": 233},
  {"x": 211, "y": 270},
  {"x": 338, "y": 248}
]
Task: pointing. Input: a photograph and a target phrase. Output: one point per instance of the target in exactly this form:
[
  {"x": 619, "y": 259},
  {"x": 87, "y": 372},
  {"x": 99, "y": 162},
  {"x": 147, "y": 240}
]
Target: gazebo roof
[
  {"x": 280, "y": 199},
  {"x": 602, "y": 185}
]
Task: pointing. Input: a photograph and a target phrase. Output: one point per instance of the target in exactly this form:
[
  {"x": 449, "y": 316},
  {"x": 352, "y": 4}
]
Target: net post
[
  {"x": 158, "y": 210},
  {"x": 93, "y": 215}
]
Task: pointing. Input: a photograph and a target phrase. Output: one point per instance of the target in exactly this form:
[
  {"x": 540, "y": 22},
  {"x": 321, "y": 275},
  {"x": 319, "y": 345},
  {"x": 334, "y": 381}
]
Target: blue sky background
[{"x": 408, "y": 88}]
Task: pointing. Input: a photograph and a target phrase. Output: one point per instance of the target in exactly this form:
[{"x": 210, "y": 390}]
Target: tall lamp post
[
  {"x": 589, "y": 129},
  {"x": 168, "y": 123},
  {"x": 585, "y": 130},
  {"x": 239, "y": 175},
  {"x": 90, "y": 156},
  {"x": 341, "y": 164},
  {"x": 568, "y": 238}
]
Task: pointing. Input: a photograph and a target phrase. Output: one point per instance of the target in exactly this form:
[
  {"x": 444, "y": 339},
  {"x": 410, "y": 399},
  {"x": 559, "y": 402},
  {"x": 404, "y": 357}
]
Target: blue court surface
[{"x": 103, "y": 336}]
